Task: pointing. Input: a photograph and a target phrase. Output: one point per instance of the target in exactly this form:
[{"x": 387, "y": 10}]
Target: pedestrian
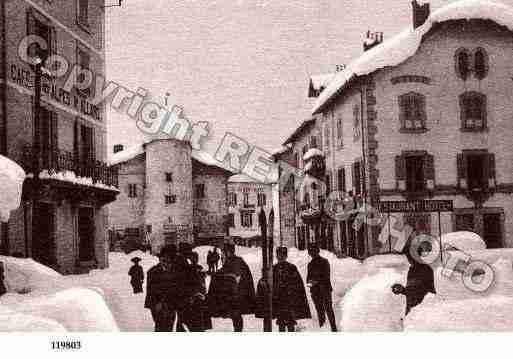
[
  {"x": 420, "y": 279},
  {"x": 319, "y": 281},
  {"x": 232, "y": 291},
  {"x": 289, "y": 294},
  {"x": 3, "y": 290},
  {"x": 215, "y": 260},
  {"x": 210, "y": 262},
  {"x": 195, "y": 314},
  {"x": 136, "y": 274},
  {"x": 165, "y": 289}
]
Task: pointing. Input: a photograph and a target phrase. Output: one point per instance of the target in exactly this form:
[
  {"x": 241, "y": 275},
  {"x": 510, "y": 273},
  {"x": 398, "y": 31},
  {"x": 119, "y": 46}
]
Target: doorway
[
  {"x": 492, "y": 230},
  {"x": 43, "y": 234},
  {"x": 86, "y": 236}
]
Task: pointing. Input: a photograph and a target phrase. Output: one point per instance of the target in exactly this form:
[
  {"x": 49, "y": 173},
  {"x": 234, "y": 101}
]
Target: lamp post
[
  {"x": 264, "y": 282},
  {"x": 40, "y": 58}
]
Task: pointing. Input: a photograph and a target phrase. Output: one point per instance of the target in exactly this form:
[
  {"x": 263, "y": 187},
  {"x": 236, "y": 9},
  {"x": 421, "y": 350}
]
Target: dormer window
[{"x": 463, "y": 62}]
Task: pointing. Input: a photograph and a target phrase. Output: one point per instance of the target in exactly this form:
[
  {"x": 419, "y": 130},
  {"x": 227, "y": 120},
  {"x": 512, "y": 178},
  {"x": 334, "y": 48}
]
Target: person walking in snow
[
  {"x": 232, "y": 290},
  {"x": 3, "y": 290},
  {"x": 420, "y": 279},
  {"x": 165, "y": 289},
  {"x": 318, "y": 279},
  {"x": 136, "y": 274},
  {"x": 289, "y": 294}
]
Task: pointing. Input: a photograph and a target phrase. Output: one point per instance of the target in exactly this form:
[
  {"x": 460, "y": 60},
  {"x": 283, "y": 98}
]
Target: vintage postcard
[{"x": 255, "y": 166}]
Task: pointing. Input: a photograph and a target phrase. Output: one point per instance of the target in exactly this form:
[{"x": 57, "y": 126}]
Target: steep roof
[
  {"x": 404, "y": 45},
  {"x": 299, "y": 130},
  {"x": 318, "y": 83}
]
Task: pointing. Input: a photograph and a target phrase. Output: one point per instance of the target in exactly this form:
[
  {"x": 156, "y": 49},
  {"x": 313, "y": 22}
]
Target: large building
[
  {"x": 246, "y": 198},
  {"x": 170, "y": 193},
  {"x": 59, "y": 136},
  {"x": 423, "y": 115}
]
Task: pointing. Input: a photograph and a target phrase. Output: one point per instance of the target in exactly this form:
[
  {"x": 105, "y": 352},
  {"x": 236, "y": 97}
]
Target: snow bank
[
  {"x": 370, "y": 304},
  {"x": 492, "y": 313},
  {"x": 374, "y": 263},
  {"x": 76, "y": 309},
  {"x": 25, "y": 274},
  {"x": 10, "y": 321},
  {"x": 452, "y": 287},
  {"x": 463, "y": 240},
  {"x": 404, "y": 45},
  {"x": 11, "y": 182}
]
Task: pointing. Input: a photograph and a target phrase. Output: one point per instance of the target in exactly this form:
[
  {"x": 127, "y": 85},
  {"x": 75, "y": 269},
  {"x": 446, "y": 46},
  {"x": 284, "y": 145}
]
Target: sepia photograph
[{"x": 227, "y": 166}]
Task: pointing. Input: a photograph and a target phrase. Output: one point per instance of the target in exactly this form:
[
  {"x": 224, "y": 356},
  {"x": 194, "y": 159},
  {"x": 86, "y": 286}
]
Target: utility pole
[{"x": 264, "y": 282}]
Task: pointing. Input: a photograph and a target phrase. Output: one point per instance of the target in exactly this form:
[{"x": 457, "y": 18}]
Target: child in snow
[
  {"x": 136, "y": 274},
  {"x": 3, "y": 290}
]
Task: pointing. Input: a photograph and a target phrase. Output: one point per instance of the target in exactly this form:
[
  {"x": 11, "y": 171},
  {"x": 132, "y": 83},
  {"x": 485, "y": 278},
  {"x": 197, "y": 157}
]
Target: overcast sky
[{"x": 242, "y": 65}]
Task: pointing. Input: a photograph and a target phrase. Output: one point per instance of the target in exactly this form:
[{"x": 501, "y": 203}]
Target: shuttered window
[
  {"x": 356, "y": 122},
  {"x": 340, "y": 141},
  {"x": 462, "y": 63},
  {"x": 83, "y": 12},
  {"x": 357, "y": 178},
  {"x": 415, "y": 172},
  {"x": 480, "y": 63},
  {"x": 328, "y": 184},
  {"x": 476, "y": 170},
  {"x": 473, "y": 111},
  {"x": 341, "y": 179},
  {"x": 412, "y": 111},
  {"x": 132, "y": 190}
]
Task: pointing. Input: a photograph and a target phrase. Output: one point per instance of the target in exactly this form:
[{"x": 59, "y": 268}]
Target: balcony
[{"x": 74, "y": 177}]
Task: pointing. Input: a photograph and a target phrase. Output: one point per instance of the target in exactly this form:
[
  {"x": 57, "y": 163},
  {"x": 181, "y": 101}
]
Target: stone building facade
[
  {"x": 434, "y": 124},
  {"x": 169, "y": 193},
  {"x": 246, "y": 197},
  {"x": 61, "y": 142}
]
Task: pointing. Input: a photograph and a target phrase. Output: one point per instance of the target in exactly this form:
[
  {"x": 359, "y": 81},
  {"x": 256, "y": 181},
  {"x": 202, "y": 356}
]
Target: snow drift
[{"x": 11, "y": 182}]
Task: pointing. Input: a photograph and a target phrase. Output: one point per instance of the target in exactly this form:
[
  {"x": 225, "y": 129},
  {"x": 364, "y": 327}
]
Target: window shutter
[
  {"x": 402, "y": 104},
  {"x": 491, "y": 170},
  {"x": 429, "y": 171},
  {"x": 353, "y": 175},
  {"x": 462, "y": 170},
  {"x": 400, "y": 172}
]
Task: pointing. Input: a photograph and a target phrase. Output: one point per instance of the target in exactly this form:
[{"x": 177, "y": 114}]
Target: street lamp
[{"x": 39, "y": 60}]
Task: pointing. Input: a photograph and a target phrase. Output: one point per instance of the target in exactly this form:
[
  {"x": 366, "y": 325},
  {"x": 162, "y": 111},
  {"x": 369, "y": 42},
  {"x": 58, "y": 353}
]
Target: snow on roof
[
  {"x": 11, "y": 182},
  {"x": 244, "y": 178},
  {"x": 299, "y": 130},
  {"x": 311, "y": 153},
  {"x": 134, "y": 151},
  {"x": 321, "y": 81},
  {"x": 404, "y": 45}
]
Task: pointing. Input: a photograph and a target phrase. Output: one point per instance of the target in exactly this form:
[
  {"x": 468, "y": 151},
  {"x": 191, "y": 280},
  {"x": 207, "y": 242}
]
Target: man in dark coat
[
  {"x": 318, "y": 279},
  {"x": 136, "y": 274},
  {"x": 232, "y": 290},
  {"x": 420, "y": 279},
  {"x": 165, "y": 289},
  {"x": 289, "y": 295}
]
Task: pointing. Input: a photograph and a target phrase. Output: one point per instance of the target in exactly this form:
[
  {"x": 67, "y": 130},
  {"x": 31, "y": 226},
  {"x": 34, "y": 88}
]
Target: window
[
  {"x": 462, "y": 62},
  {"x": 328, "y": 184},
  {"x": 357, "y": 178},
  {"x": 245, "y": 199},
  {"x": 199, "y": 190},
  {"x": 132, "y": 190},
  {"x": 231, "y": 220},
  {"x": 419, "y": 222},
  {"x": 83, "y": 12},
  {"x": 327, "y": 137},
  {"x": 313, "y": 142},
  {"x": 306, "y": 199},
  {"x": 412, "y": 111},
  {"x": 415, "y": 173},
  {"x": 170, "y": 199},
  {"x": 476, "y": 169},
  {"x": 480, "y": 63},
  {"x": 465, "y": 222},
  {"x": 246, "y": 219},
  {"x": 169, "y": 177},
  {"x": 340, "y": 141},
  {"x": 473, "y": 111},
  {"x": 148, "y": 228},
  {"x": 83, "y": 60},
  {"x": 232, "y": 199},
  {"x": 39, "y": 25},
  {"x": 47, "y": 134},
  {"x": 261, "y": 199},
  {"x": 341, "y": 179},
  {"x": 356, "y": 122}
]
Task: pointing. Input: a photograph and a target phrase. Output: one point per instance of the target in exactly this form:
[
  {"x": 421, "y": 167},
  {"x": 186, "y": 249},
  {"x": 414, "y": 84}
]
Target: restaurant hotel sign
[
  {"x": 415, "y": 206},
  {"x": 25, "y": 77}
]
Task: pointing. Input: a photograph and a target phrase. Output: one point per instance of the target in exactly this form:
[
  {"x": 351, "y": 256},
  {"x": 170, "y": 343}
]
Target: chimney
[
  {"x": 420, "y": 13},
  {"x": 118, "y": 148},
  {"x": 372, "y": 39}
]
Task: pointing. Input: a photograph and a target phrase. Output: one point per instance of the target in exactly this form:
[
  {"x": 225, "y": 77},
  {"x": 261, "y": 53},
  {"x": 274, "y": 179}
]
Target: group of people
[
  {"x": 176, "y": 291},
  {"x": 213, "y": 258}
]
